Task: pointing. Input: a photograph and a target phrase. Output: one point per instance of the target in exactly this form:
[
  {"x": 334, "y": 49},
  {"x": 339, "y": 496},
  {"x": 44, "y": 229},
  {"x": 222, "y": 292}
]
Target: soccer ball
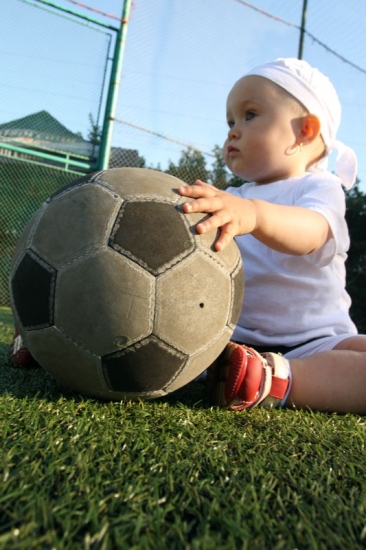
[{"x": 114, "y": 292}]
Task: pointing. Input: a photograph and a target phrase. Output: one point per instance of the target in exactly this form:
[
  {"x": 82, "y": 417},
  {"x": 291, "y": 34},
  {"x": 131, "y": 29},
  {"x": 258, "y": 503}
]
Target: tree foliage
[
  {"x": 94, "y": 132},
  {"x": 356, "y": 262},
  {"x": 192, "y": 166}
]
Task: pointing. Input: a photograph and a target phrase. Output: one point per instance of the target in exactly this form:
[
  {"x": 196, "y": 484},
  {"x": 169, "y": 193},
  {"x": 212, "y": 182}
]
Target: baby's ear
[{"x": 310, "y": 128}]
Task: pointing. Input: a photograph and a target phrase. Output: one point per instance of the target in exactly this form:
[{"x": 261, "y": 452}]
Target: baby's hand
[{"x": 233, "y": 215}]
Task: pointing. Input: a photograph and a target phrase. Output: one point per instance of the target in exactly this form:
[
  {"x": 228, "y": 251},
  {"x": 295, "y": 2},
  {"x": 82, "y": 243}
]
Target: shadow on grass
[
  {"x": 32, "y": 383},
  {"x": 21, "y": 383}
]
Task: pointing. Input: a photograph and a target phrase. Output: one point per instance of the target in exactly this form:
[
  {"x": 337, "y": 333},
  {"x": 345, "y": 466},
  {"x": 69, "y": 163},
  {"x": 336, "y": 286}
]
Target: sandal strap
[{"x": 279, "y": 380}]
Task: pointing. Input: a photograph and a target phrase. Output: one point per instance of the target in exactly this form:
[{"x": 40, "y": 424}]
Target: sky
[{"x": 181, "y": 58}]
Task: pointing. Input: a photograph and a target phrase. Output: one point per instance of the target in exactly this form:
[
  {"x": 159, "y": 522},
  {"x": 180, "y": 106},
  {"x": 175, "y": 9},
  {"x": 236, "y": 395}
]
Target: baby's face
[{"x": 262, "y": 141}]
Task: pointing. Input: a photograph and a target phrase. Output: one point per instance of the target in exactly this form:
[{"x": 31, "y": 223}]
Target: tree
[
  {"x": 141, "y": 162},
  {"x": 220, "y": 175},
  {"x": 356, "y": 262},
  {"x": 191, "y": 166},
  {"x": 95, "y": 131}
]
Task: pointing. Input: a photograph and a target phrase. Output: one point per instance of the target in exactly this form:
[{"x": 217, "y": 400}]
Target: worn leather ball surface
[{"x": 114, "y": 292}]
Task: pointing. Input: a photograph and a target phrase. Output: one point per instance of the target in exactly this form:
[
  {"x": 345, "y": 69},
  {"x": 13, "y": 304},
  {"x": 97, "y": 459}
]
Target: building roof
[
  {"x": 39, "y": 126},
  {"x": 41, "y": 131}
]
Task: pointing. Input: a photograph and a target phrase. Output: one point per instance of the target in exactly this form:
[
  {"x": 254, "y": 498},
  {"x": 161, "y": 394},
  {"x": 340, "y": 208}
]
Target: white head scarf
[{"x": 316, "y": 92}]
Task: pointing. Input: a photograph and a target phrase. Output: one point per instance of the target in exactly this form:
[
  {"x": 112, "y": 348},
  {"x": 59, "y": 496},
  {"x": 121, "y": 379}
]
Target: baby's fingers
[
  {"x": 213, "y": 222},
  {"x": 225, "y": 237},
  {"x": 201, "y": 204},
  {"x": 200, "y": 189},
  {"x": 226, "y": 233}
]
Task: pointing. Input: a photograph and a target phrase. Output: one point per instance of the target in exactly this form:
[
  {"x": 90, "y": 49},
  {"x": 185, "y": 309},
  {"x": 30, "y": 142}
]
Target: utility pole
[{"x": 302, "y": 29}]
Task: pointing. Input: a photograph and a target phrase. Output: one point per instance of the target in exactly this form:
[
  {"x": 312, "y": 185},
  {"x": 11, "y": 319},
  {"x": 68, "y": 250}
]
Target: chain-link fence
[
  {"x": 54, "y": 69},
  {"x": 181, "y": 59},
  {"x": 24, "y": 186}
]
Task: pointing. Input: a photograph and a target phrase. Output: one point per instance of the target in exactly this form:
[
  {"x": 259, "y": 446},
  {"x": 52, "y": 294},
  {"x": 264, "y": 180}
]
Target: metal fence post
[{"x": 110, "y": 110}]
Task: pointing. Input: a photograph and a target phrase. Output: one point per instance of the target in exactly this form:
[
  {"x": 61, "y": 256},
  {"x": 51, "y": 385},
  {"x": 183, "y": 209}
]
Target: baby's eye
[
  {"x": 249, "y": 115},
  {"x": 230, "y": 123}
]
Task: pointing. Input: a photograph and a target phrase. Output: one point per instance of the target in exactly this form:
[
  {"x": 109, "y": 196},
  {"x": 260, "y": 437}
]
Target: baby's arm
[{"x": 289, "y": 229}]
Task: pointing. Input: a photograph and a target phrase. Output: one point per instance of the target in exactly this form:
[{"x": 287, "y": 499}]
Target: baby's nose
[{"x": 233, "y": 132}]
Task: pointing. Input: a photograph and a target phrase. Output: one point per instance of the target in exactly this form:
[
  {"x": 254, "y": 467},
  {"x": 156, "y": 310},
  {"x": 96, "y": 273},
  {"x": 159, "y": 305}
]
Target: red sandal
[{"x": 242, "y": 378}]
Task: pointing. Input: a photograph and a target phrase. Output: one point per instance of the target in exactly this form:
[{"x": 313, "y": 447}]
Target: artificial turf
[{"x": 173, "y": 473}]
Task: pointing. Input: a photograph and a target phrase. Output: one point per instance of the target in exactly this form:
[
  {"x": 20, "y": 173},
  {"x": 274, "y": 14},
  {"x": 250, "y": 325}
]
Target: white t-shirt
[{"x": 292, "y": 299}]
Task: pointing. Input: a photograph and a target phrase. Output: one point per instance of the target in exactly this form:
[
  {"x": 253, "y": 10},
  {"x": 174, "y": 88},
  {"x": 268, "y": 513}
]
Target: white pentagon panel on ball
[
  {"x": 141, "y": 182},
  {"x": 75, "y": 223},
  {"x": 104, "y": 302},
  {"x": 237, "y": 294},
  {"x": 192, "y": 303}
]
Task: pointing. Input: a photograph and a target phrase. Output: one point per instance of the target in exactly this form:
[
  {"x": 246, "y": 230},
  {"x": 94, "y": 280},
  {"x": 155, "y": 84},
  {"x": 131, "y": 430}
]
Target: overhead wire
[{"x": 306, "y": 32}]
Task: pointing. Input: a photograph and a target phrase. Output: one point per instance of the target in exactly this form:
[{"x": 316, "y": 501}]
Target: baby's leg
[{"x": 331, "y": 380}]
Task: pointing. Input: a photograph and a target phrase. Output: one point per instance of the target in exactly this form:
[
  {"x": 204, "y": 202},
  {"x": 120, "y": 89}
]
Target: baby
[{"x": 289, "y": 224}]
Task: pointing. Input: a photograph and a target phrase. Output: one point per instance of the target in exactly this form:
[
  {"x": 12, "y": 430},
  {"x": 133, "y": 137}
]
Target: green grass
[{"x": 172, "y": 473}]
